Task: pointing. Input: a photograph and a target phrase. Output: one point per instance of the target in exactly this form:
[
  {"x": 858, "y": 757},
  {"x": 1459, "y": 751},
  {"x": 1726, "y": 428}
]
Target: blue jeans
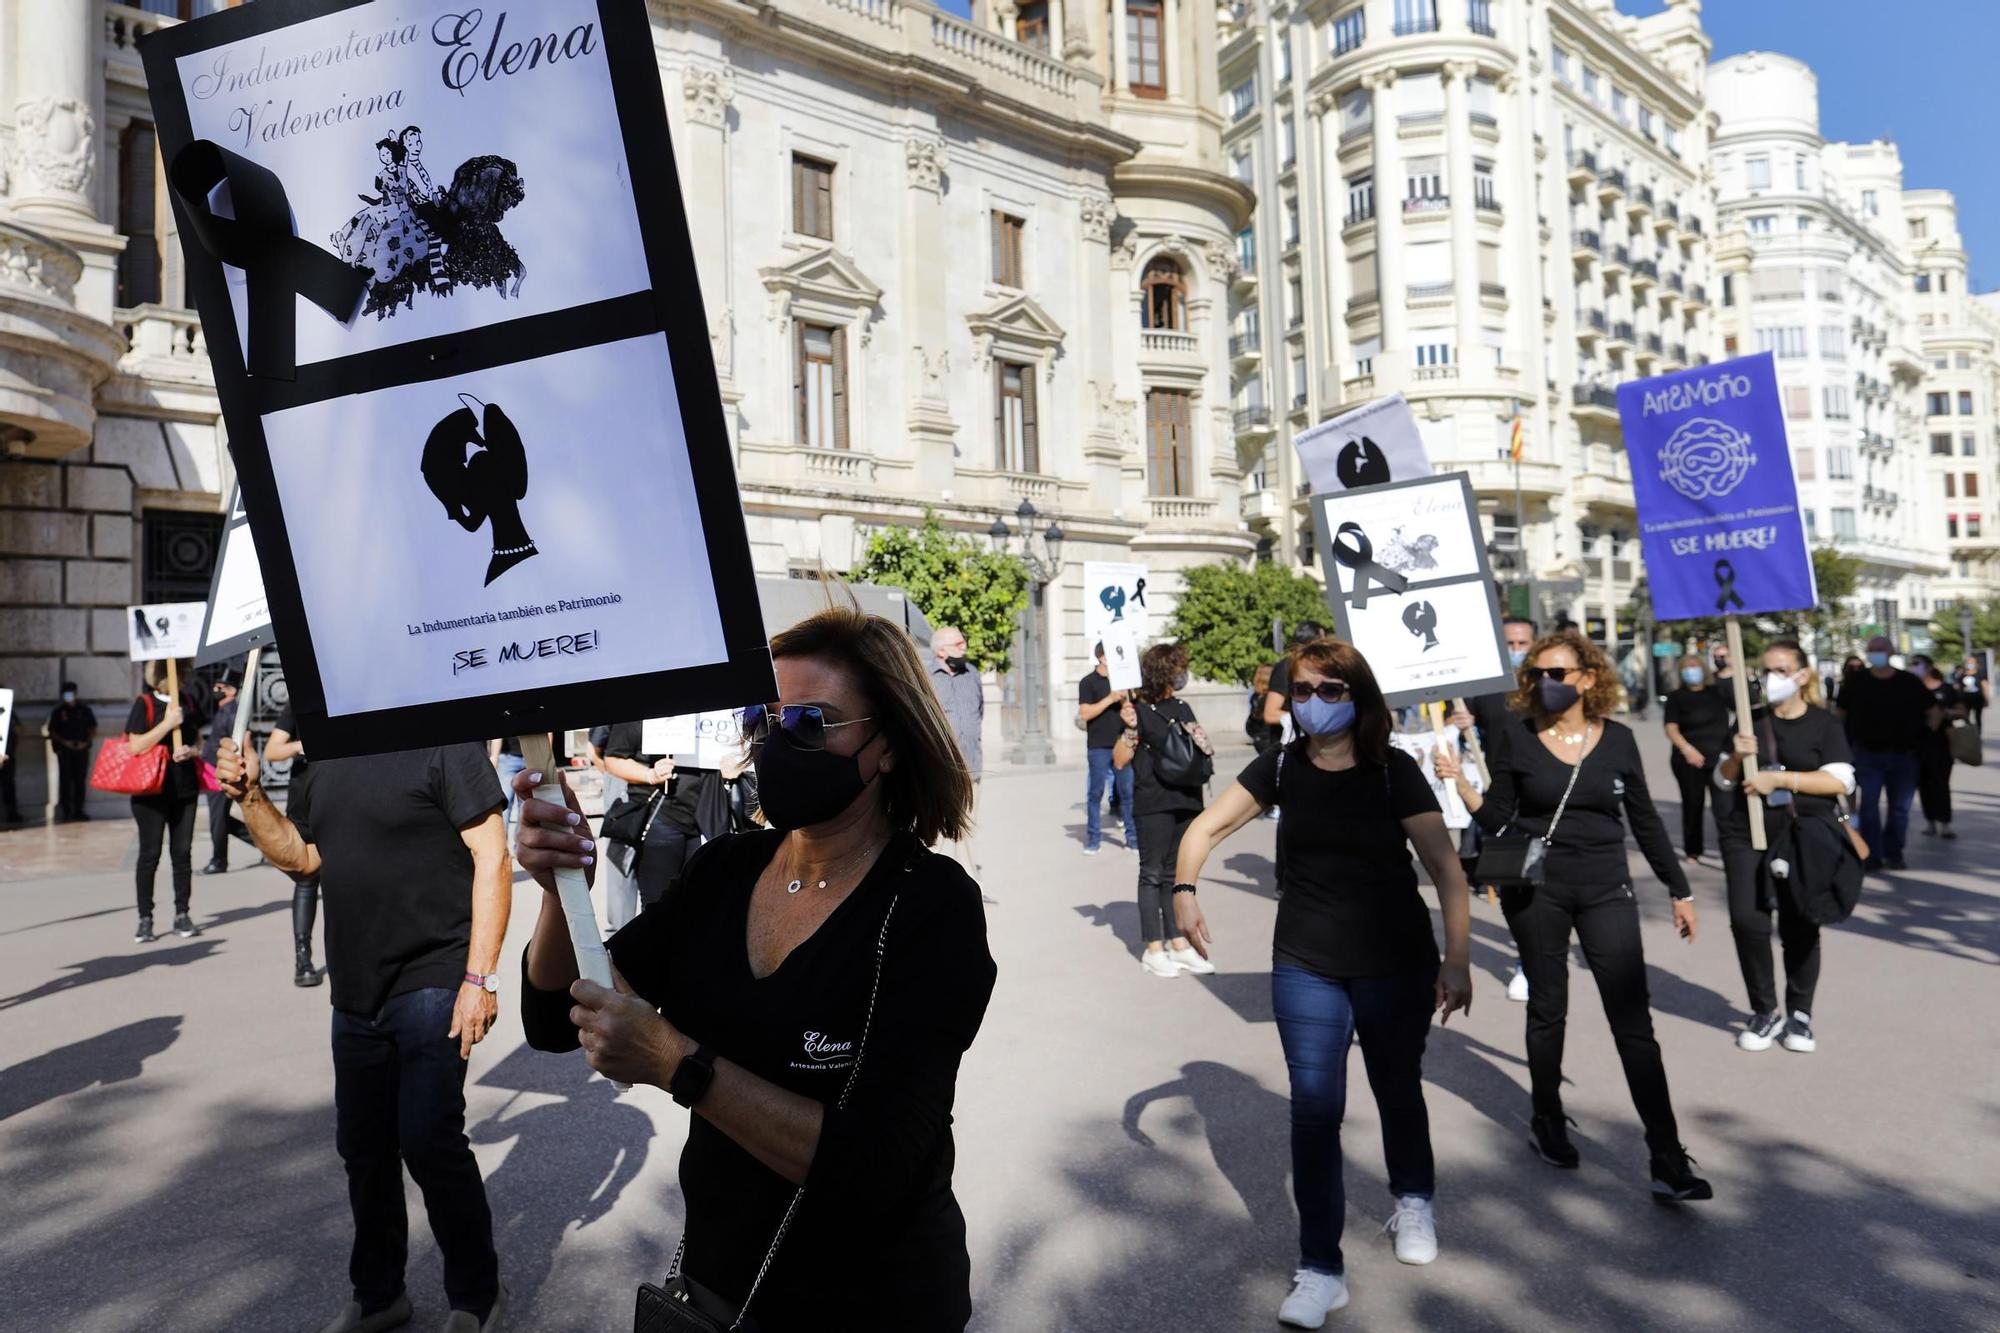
[
  {"x": 1120, "y": 780},
  {"x": 1317, "y": 1019},
  {"x": 507, "y": 766},
  {"x": 399, "y": 1099},
  {"x": 1897, "y": 770}
]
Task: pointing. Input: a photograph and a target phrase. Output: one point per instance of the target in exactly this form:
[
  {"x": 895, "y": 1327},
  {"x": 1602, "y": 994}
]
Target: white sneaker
[
  {"x": 1414, "y": 1225},
  {"x": 1187, "y": 960},
  {"x": 1517, "y": 987},
  {"x": 1313, "y": 1296},
  {"x": 1157, "y": 962},
  {"x": 1799, "y": 1034}
]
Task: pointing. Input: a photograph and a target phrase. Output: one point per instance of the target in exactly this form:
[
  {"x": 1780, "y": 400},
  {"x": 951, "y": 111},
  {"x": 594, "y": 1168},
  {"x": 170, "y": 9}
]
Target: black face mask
[
  {"x": 799, "y": 788},
  {"x": 1554, "y": 696},
  {"x": 957, "y": 664}
]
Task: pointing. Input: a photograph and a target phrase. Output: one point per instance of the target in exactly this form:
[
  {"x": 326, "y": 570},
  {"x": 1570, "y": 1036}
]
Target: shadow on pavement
[
  {"x": 66, "y": 920},
  {"x": 113, "y": 966},
  {"x": 109, "y": 1057},
  {"x": 1121, "y": 919}
]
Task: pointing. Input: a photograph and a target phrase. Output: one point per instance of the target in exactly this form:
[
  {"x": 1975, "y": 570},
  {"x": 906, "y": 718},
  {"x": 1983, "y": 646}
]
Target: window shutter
[
  {"x": 997, "y": 243},
  {"x": 1031, "y": 459},
  {"x": 840, "y": 388},
  {"x": 823, "y": 200},
  {"x": 798, "y": 195},
  {"x": 799, "y": 380},
  {"x": 999, "y": 414}
]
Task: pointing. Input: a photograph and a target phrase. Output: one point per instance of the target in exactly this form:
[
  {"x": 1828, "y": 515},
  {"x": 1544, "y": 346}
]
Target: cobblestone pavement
[{"x": 166, "y": 1128}]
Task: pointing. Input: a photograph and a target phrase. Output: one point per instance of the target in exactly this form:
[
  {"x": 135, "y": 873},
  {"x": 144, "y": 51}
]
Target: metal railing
[
  {"x": 1428, "y": 291},
  {"x": 1254, "y": 417},
  {"x": 1430, "y": 203}
]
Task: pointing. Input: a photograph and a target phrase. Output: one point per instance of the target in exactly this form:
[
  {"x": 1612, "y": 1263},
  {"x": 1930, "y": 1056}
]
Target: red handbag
[{"x": 123, "y": 773}]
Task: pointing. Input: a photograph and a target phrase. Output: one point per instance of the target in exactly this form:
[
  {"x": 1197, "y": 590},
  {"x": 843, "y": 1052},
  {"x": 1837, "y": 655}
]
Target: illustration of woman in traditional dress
[
  {"x": 386, "y": 238},
  {"x": 425, "y": 201}
]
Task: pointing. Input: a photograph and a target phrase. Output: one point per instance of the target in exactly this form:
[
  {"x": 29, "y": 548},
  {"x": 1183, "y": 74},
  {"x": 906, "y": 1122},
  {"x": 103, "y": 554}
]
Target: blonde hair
[{"x": 1810, "y": 690}]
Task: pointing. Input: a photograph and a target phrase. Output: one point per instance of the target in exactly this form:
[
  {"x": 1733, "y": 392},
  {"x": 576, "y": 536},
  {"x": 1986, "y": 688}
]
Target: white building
[{"x": 1495, "y": 207}]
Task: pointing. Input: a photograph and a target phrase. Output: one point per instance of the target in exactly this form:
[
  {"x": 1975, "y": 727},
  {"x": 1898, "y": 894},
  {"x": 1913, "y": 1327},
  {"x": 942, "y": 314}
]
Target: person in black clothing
[
  {"x": 1097, "y": 706},
  {"x": 10, "y": 752},
  {"x": 1573, "y": 777},
  {"x": 1278, "y": 693},
  {"x": 72, "y": 730},
  {"x": 1164, "y": 810},
  {"x": 1934, "y": 759},
  {"x": 1974, "y": 691},
  {"x": 1804, "y": 767},
  {"x": 167, "y": 816},
  {"x": 281, "y": 745},
  {"x": 1353, "y": 952},
  {"x": 809, "y": 992},
  {"x": 412, "y": 848},
  {"x": 1887, "y": 714},
  {"x": 669, "y": 834},
  {"x": 1489, "y": 717},
  {"x": 222, "y": 825},
  {"x": 1697, "y": 726}
]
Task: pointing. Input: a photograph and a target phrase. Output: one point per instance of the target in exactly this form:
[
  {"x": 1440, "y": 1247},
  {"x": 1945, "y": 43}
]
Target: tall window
[
  {"x": 1965, "y": 402},
  {"x": 1843, "y": 525},
  {"x": 1240, "y": 168},
  {"x": 1833, "y": 342},
  {"x": 1968, "y": 445},
  {"x": 1762, "y": 223},
  {"x": 1972, "y": 485},
  {"x": 1672, "y": 139},
  {"x": 1561, "y": 58},
  {"x": 1015, "y": 428},
  {"x": 1295, "y": 303},
  {"x": 1007, "y": 231},
  {"x": 1840, "y": 462},
  {"x": 1923, "y": 282},
  {"x": 1357, "y": 112},
  {"x": 812, "y": 197},
  {"x": 1299, "y": 383},
  {"x": 1349, "y": 31},
  {"x": 1242, "y": 99},
  {"x": 1291, "y": 223},
  {"x": 1246, "y": 248},
  {"x": 1416, "y": 16},
  {"x": 138, "y": 216},
  {"x": 1165, "y": 292},
  {"x": 1646, "y": 121},
  {"x": 1483, "y": 193},
  {"x": 1433, "y": 354},
  {"x": 1941, "y": 445},
  {"x": 1798, "y": 402},
  {"x": 1937, "y": 404},
  {"x": 1288, "y": 142},
  {"x": 1423, "y": 179},
  {"x": 1757, "y": 171},
  {"x": 1788, "y": 343},
  {"x": 820, "y": 385},
  {"x": 1360, "y": 198},
  {"x": 1836, "y": 401},
  {"x": 1868, "y": 204},
  {"x": 1284, "y": 53},
  {"x": 1031, "y": 28},
  {"x": 1479, "y": 16},
  {"x": 1799, "y": 172},
  {"x": 1169, "y": 447},
  {"x": 1950, "y": 486},
  {"x": 1145, "y": 47}
]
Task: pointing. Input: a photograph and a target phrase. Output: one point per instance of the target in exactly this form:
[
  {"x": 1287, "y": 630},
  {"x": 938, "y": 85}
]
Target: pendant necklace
[
  {"x": 1577, "y": 739},
  {"x": 798, "y": 884}
]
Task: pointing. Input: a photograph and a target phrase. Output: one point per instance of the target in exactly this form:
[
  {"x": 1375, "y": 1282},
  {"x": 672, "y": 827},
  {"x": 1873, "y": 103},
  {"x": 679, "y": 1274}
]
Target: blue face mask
[
  {"x": 1693, "y": 675},
  {"x": 1878, "y": 659},
  {"x": 1516, "y": 656},
  {"x": 1317, "y": 717}
]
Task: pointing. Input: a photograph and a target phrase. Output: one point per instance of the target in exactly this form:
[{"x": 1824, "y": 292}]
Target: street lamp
[{"x": 1043, "y": 563}]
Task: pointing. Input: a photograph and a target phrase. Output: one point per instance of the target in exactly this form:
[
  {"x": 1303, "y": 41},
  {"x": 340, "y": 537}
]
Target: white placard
[
  {"x": 1419, "y": 532},
  {"x": 495, "y": 208},
  {"x": 1121, "y": 657},
  {"x": 1115, "y": 593},
  {"x": 1376, "y": 443},
  {"x": 163, "y": 630},
  {"x": 6, "y": 717},
  {"x": 695, "y": 740},
  {"x": 237, "y": 606},
  {"x": 1422, "y": 746}
]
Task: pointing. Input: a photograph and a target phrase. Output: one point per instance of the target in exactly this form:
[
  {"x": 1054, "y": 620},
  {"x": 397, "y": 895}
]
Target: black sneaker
[
  {"x": 1674, "y": 1180},
  {"x": 1760, "y": 1032},
  {"x": 1551, "y": 1141},
  {"x": 213, "y": 868},
  {"x": 1799, "y": 1034},
  {"x": 185, "y": 927},
  {"x": 144, "y": 934}
]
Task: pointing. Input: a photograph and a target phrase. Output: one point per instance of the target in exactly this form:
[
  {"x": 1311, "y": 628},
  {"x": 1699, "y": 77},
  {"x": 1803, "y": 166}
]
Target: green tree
[
  {"x": 954, "y": 581},
  {"x": 1948, "y": 644},
  {"x": 1225, "y": 613}
]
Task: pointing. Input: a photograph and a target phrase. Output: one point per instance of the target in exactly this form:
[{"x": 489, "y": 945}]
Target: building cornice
[{"x": 1209, "y": 189}]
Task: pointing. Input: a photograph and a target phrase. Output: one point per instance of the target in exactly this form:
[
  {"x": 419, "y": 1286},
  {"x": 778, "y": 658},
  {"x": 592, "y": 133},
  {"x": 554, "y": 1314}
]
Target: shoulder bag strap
[{"x": 1563, "y": 804}]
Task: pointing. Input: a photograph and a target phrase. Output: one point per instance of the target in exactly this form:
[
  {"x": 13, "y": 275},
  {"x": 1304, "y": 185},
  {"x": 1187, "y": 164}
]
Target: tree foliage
[
  {"x": 1829, "y": 627},
  {"x": 1948, "y": 644},
  {"x": 953, "y": 580},
  {"x": 1225, "y": 613}
]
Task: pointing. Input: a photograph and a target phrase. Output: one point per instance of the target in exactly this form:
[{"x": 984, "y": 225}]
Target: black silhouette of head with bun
[
  {"x": 1362, "y": 463},
  {"x": 477, "y": 467}
]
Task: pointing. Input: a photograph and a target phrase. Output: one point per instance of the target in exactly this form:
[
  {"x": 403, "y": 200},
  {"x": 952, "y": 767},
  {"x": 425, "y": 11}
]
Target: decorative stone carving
[
  {"x": 1221, "y": 259},
  {"x": 1126, "y": 252},
  {"x": 1379, "y": 80},
  {"x": 1105, "y": 396},
  {"x": 55, "y": 144},
  {"x": 708, "y": 93},
  {"x": 1461, "y": 70},
  {"x": 31, "y": 262},
  {"x": 933, "y": 374},
  {"x": 1098, "y": 211},
  {"x": 1507, "y": 80},
  {"x": 926, "y": 160}
]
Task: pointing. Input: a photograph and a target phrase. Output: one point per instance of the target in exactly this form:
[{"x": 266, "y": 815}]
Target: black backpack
[{"x": 1178, "y": 761}]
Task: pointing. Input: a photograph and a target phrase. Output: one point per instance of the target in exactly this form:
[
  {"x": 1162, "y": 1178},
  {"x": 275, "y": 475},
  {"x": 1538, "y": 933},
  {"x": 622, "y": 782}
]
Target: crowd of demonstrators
[
  {"x": 411, "y": 850},
  {"x": 1975, "y": 690},
  {"x": 1804, "y": 768},
  {"x": 222, "y": 823},
  {"x": 1488, "y": 717},
  {"x": 1697, "y": 720},
  {"x": 165, "y": 819},
  {"x": 956, "y": 683},
  {"x": 1353, "y": 952},
  {"x": 1887, "y": 714},
  {"x": 72, "y": 731},
  {"x": 1934, "y": 761},
  {"x": 1097, "y": 709},
  {"x": 1572, "y": 776},
  {"x": 280, "y": 747},
  {"x": 1171, "y": 760},
  {"x": 831, "y": 1152}
]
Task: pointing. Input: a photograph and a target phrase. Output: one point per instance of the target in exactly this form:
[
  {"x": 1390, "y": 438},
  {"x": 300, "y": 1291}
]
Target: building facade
[{"x": 1501, "y": 209}]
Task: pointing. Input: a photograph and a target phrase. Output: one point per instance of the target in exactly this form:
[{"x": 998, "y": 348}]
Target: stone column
[
  {"x": 1389, "y": 189},
  {"x": 1464, "y": 216},
  {"x": 707, "y": 94},
  {"x": 1120, "y": 81},
  {"x": 930, "y": 425},
  {"x": 1333, "y": 218},
  {"x": 55, "y": 130},
  {"x": 1170, "y": 47},
  {"x": 1103, "y": 451}
]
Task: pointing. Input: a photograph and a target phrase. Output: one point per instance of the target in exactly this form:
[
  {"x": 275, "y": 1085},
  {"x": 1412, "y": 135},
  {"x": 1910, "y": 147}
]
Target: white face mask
[{"x": 1778, "y": 687}]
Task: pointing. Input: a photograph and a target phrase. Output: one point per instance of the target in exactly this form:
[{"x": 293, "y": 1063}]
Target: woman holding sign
[
  {"x": 808, "y": 991},
  {"x": 1572, "y": 778},
  {"x": 166, "y": 817}
]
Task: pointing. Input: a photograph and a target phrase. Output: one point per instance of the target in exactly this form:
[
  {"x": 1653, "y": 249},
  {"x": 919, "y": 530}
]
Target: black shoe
[
  {"x": 213, "y": 868},
  {"x": 303, "y": 971},
  {"x": 1674, "y": 1180},
  {"x": 144, "y": 934},
  {"x": 1894, "y": 863},
  {"x": 185, "y": 927},
  {"x": 1552, "y": 1143}
]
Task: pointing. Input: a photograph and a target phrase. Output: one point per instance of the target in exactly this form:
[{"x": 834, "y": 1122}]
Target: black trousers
[
  {"x": 1159, "y": 843},
  {"x": 1934, "y": 778},
  {"x": 72, "y": 781},
  {"x": 170, "y": 820},
  {"x": 1750, "y": 926},
  {"x": 10, "y": 804},
  {"x": 305, "y": 910},
  {"x": 222, "y": 826},
  {"x": 1693, "y": 783},
  {"x": 1605, "y": 920}
]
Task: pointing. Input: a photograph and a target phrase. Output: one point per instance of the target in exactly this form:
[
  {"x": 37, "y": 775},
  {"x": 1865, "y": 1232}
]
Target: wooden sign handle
[
  {"x": 592, "y": 962},
  {"x": 174, "y": 693},
  {"x": 246, "y": 699},
  {"x": 1739, "y": 677}
]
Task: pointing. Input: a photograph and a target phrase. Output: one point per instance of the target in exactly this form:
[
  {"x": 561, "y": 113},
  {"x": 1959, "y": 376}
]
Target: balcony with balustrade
[
  {"x": 1596, "y": 401},
  {"x": 1246, "y": 348},
  {"x": 1610, "y": 184},
  {"x": 1585, "y": 246},
  {"x": 1582, "y": 164},
  {"x": 1645, "y": 272}
]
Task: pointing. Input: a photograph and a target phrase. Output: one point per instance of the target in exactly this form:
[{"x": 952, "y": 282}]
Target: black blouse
[{"x": 879, "y": 1236}]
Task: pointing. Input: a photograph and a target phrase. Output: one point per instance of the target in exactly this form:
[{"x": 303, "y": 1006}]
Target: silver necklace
[
  {"x": 1577, "y": 739},
  {"x": 798, "y": 884}
]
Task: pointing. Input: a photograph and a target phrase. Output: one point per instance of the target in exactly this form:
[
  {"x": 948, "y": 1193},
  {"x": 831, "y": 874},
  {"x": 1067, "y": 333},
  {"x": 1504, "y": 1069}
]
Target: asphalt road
[{"x": 167, "y": 1162}]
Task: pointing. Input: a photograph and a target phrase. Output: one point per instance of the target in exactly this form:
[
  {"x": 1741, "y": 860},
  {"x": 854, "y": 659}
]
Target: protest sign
[
  {"x": 1422, "y": 746},
  {"x": 1114, "y": 593},
  {"x": 1410, "y": 587},
  {"x": 6, "y": 717},
  {"x": 1369, "y": 446},
  {"x": 1719, "y": 521},
  {"x": 481, "y": 362},
  {"x": 163, "y": 631},
  {"x": 695, "y": 740},
  {"x": 238, "y": 617},
  {"x": 1121, "y": 657}
]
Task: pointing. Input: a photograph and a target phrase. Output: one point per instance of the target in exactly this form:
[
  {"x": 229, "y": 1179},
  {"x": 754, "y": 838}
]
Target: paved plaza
[{"x": 167, "y": 1159}]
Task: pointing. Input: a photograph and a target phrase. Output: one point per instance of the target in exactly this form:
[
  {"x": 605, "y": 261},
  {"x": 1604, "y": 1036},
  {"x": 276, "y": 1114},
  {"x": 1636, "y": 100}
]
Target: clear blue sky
[{"x": 1921, "y": 74}]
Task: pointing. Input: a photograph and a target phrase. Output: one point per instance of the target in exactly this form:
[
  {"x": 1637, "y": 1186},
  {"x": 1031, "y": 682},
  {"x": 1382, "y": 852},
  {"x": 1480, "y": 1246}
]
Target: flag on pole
[{"x": 1514, "y": 437}]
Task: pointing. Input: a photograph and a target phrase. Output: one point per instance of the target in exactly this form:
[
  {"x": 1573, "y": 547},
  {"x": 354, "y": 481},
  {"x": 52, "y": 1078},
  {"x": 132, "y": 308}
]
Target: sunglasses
[
  {"x": 1556, "y": 674},
  {"x": 1329, "y": 691},
  {"x": 806, "y": 724}
]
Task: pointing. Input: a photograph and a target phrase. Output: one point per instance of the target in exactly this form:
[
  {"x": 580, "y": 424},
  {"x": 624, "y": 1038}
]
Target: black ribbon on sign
[
  {"x": 259, "y": 241},
  {"x": 1360, "y": 558},
  {"x": 1725, "y": 579},
  {"x": 1139, "y": 592}
]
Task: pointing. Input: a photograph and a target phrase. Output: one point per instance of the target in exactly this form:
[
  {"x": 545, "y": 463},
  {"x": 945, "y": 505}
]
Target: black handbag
[
  {"x": 683, "y": 1305},
  {"x": 1178, "y": 761},
  {"x": 1519, "y": 860},
  {"x": 630, "y": 817}
]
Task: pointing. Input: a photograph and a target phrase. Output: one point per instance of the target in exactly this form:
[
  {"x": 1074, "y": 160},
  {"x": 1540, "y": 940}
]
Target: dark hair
[
  {"x": 1098, "y": 651},
  {"x": 1343, "y": 661},
  {"x": 1308, "y": 631},
  {"x": 407, "y": 131},
  {"x": 1158, "y": 666},
  {"x": 1518, "y": 620},
  {"x": 68, "y": 685},
  {"x": 1601, "y": 700},
  {"x": 395, "y": 147}
]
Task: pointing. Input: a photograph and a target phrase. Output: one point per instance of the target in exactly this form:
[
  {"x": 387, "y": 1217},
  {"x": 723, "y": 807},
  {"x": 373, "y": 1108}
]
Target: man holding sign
[{"x": 1098, "y": 698}]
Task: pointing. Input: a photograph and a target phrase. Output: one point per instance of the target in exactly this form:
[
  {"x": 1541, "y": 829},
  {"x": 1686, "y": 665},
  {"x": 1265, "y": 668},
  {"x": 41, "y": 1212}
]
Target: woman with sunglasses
[
  {"x": 1572, "y": 776},
  {"x": 1163, "y": 808},
  {"x": 808, "y": 991},
  {"x": 1353, "y": 950}
]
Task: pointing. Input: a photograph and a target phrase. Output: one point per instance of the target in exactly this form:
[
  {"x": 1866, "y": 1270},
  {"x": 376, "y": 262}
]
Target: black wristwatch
[{"x": 690, "y": 1081}]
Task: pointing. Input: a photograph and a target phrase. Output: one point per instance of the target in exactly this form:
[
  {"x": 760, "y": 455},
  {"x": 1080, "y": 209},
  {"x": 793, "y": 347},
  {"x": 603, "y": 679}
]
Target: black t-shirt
[
  {"x": 223, "y": 724},
  {"x": 395, "y": 872},
  {"x": 1589, "y": 844},
  {"x": 1703, "y": 717},
  {"x": 1971, "y": 689},
  {"x": 878, "y": 1197},
  {"x": 1350, "y": 906},
  {"x": 183, "y": 780},
  {"x": 683, "y": 787},
  {"x": 1803, "y": 744},
  {"x": 1150, "y": 796},
  {"x": 1493, "y": 717},
  {"x": 1885, "y": 715},
  {"x": 1102, "y": 731},
  {"x": 1281, "y": 683},
  {"x": 72, "y": 722}
]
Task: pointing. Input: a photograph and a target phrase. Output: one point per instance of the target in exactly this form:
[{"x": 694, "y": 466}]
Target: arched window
[{"x": 1165, "y": 288}]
